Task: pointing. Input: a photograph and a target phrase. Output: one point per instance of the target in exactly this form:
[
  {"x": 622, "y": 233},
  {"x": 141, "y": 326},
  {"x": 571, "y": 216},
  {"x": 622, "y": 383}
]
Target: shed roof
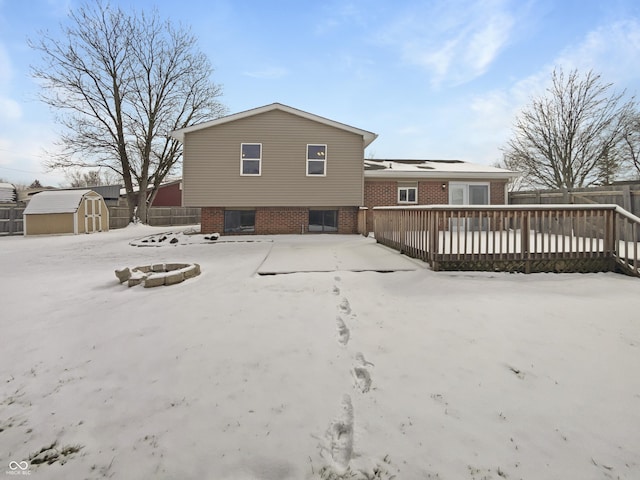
[
  {"x": 367, "y": 136},
  {"x": 56, "y": 201}
]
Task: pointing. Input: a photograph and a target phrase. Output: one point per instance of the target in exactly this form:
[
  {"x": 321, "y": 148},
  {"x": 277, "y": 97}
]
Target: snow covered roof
[
  {"x": 56, "y": 201},
  {"x": 7, "y": 193},
  {"x": 368, "y": 136},
  {"x": 374, "y": 168}
]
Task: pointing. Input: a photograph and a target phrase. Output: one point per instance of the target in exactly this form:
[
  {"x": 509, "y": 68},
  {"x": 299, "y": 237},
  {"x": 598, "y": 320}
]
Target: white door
[
  {"x": 92, "y": 215},
  {"x": 468, "y": 194}
]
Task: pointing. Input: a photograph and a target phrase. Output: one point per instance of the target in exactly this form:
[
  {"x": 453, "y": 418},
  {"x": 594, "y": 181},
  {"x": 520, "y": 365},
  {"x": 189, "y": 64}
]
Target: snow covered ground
[{"x": 331, "y": 373}]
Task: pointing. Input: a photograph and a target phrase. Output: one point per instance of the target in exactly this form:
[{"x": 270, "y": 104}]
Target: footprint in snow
[
  {"x": 345, "y": 307},
  {"x": 336, "y": 290},
  {"x": 361, "y": 361},
  {"x": 340, "y": 437},
  {"x": 362, "y": 379},
  {"x": 343, "y": 331},
  {"x": 360, "y": 372}
]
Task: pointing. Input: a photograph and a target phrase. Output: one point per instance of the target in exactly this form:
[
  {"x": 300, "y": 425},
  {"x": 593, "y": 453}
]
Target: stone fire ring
[{"x": 158, "y": 274}]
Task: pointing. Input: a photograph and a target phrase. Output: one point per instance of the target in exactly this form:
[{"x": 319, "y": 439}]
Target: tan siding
[
  {"x": 49, "y": 223},
  {"x": 211, "y": 170}
]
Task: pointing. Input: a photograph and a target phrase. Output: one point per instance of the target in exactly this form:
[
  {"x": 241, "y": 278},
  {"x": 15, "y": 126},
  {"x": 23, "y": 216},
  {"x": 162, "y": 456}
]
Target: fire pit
[{"x": 158, "y": 274}]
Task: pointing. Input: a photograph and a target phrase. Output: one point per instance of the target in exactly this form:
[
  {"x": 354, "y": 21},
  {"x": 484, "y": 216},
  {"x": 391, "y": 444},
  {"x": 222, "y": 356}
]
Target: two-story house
[
  {"x": 277, "y": 169},
  {"x": 274, "y": 169}
]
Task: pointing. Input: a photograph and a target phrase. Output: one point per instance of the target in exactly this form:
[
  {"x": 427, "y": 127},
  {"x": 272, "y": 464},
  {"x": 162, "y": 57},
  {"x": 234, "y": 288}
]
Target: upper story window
[
  {"x": 316, "y": 160},
  {"x": 407, "y": 195},
  {"x": 251, "y": 159}
]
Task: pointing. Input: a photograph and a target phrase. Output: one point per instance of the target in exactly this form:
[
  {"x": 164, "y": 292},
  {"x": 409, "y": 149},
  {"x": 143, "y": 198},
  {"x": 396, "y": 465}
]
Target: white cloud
[
  {"x": 336, "y": 15},
  {"x": 485, "y": 44},
  {"x": 612, "y": 50},
  {"x": 455, "y": 42},
  {"x": 10, "y": 110}
]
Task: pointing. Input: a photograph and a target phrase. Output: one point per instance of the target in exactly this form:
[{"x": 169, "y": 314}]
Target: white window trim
[
  {"x": 254, "y": 159},
  {"x": 466, "y": 187},
  {"x": 313, "y": 160},
  {"x": 407, "y": 189}
]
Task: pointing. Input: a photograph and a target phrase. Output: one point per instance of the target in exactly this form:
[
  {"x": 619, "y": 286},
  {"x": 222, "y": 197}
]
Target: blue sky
[{"x": 434, "y": 79}]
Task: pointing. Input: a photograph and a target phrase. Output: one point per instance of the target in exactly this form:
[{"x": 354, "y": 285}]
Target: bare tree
[
  {"x": 119, "y": 84},
  {"x": 630, "y": 147},
  {"x": 569, "y": 137},
  {"x": 91, "y": 178}
]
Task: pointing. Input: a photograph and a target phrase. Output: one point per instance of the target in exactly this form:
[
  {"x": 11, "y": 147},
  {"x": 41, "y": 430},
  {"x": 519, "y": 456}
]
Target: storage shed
[{"x": 66, "y": 211}]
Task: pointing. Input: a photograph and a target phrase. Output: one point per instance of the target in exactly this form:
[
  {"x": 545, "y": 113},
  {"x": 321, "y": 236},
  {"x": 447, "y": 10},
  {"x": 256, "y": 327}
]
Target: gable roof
[
  {"x": 368, "y": 136},
  {"x": 374, "y": 168},
  {"x": 56, "y": 201}
]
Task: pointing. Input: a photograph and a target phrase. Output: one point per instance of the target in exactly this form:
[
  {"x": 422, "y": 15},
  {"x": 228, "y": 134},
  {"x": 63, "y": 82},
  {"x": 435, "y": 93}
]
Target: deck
[{"x": 522, "y": 238}]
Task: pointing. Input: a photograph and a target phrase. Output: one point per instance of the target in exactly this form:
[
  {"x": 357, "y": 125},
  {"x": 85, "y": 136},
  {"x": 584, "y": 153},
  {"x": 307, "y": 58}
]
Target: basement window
[
  {"x": 239, "y": 221},
  {"x": 323, "y": 220}
]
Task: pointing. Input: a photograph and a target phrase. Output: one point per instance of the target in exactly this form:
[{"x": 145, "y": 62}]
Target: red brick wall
[
  {"x": 380, "y": 194},
  {"x": 348, "y": 220},
  {"x": 497, "y": 192},
  {"x": 211, "y": 219},
  {"x": 279, "y": 220},
  {"x": 432, "y": 193}
]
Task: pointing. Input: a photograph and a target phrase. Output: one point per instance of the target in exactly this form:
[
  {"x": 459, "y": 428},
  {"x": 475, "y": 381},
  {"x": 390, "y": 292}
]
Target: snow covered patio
[
  {"x": 328, "y": 253},
  {"x": 236, "y": 375}
]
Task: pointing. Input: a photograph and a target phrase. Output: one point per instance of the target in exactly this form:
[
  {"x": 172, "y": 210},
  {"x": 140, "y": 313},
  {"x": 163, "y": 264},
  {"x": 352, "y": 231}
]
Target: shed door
[{"x": 92, "y": 215}]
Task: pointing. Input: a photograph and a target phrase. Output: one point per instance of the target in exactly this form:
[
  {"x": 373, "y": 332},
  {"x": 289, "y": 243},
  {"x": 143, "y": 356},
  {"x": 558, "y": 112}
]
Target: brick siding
[
  {"x": 212, "y": 220},
  {"x": 497, "y": 192},
  {"x": 385, "y": 193},
  {"x": 294, "y": 220},
  {"x": 279, "y": 220},
  {"x": 432, "y": 193}
]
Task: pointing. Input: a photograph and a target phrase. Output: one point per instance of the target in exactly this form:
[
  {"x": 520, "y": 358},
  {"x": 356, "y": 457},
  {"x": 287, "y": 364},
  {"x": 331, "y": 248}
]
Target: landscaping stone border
[{"x": 158, "y": 274}]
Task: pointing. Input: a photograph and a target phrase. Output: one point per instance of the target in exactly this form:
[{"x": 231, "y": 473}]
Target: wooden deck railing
[{"x": 516, "y": 238}]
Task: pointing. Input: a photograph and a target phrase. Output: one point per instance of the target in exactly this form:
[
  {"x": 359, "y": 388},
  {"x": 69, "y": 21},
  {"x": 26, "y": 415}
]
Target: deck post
[{"x": 524, "y": 240}]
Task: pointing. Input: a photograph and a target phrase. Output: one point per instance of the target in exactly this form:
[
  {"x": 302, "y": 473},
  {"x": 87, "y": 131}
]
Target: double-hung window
[
  {"x": 316, "y": 160},
  {"x": 407, "y": 195},
  {"x": 250, "y": 159}
]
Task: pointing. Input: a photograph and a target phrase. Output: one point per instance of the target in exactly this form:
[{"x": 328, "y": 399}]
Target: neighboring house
[
  {"x": 169, "y": 195},
  {"x": 274, "y": 169},
  {"x": 8, "y": 193}
]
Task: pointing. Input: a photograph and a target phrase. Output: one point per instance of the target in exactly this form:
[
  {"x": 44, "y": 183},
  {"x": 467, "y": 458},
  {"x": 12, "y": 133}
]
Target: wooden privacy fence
[
  {"x": 158, "y": 216},
  {"x": 362, "y": 221},
  {"x": 11, "y": 220},
  {"x": 625, "y": 195},
  {"x": 531, "y": 238}
]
